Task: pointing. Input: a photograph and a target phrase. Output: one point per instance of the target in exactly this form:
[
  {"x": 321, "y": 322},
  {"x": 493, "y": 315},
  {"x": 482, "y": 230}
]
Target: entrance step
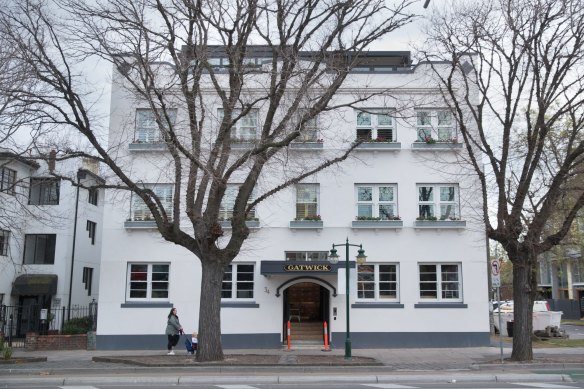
[
  {"x": 304, "y": 345},
  {"x": 307, "y": 331}
]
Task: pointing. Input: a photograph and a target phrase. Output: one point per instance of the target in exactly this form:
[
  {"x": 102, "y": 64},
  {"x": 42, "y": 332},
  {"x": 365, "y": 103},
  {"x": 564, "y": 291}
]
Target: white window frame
[
  {"x": 443, "y": 290},
  {"x": 377, "y": 281},
  {"x": 149, "y": 281},
  {"x": 310, "y": 132},
  {"x": 147, "y": 130},
  {"x": 306, "y": 256},
  {"x": 305, "y": 200},
  {"x": 246, "y": 129},
  {"x": 233, "y": 271},
  {"x": 228, "y": 202},
  {"x": 435, "y": 124},
  {"x": 376, "y": 202},
  {"x": 8, "y": 181},
  {"x": 438, "y": 206},
  {"x": 370, "y": 120},
  {"x": 165, "y": 192}
]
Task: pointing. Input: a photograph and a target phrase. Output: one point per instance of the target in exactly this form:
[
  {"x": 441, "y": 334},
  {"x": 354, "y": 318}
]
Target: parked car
[{"x": 542, "y": 316}]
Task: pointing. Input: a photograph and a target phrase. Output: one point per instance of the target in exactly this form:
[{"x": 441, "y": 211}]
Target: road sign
[{"x": 495, "y": 273}]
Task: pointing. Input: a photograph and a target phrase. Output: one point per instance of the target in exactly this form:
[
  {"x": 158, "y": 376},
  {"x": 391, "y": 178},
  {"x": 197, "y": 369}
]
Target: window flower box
[
  {"x": 306, "y": 224},
  {"x": 226, "y": 224},
  {"x": 147, "y": 146},
  {"x": 377, "y": 224},
  {"x": 440, "y": 224},
  {"x": 379, "y": 146},
  {"x": 306, "y": 145},
  {"x": 436, "y": 145},
  {"x": 140, "y": 224}
]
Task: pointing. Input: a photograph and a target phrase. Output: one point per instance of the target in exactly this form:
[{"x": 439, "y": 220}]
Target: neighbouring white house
[
  {"x": 50, "y": 243},
  {"x": 406, "y": 197}
]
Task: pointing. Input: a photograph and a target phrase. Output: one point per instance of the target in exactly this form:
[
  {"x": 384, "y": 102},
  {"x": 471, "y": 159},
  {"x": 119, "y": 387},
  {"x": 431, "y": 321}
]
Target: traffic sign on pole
[{"x": 495, "y": 273}]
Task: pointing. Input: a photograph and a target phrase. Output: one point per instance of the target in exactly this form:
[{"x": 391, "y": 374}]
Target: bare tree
[
  {"x": 165, "y": 53},
  {"x": 521, "y": 116}
]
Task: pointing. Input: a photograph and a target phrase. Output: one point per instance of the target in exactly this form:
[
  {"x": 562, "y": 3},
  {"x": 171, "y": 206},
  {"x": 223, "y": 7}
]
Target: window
[
  {"x": 8, "y": 181},
  {"x": 375, "y": 126},
  {"x": 91, "y": 228},
  {"x": 246, "y": 129},
  {"x": 307, "y": 201},
  {"x": 377, "y": 282},
  {"x": 443, "y": 206},
  {"x": 88, "y": 279},
  {"x": 435, "y": 125},
  {"x": 440, "y": 282},
  {"x": 140, "y": 212},
  {"x": 147, "y": 281},
  {"x": 4, "y": 239},
  {"x": 92, "y": 196},
  {"x": 376, "y": 202},
  {"x": 44, "y": 191},
  {"x": 310, "y": 131},
  {"x": 147, "y": 129},
  {"x": 39, "y": 249},
  {"x": 306, "y": 255},
  {"x": 228, "y": 202},
  {"x": 238, "y": 281}
]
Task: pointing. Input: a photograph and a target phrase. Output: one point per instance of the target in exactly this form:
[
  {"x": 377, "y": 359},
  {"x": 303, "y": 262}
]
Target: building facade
[
  {"x": 404, "y": 196},
  {"x": 50, "y": 243}
]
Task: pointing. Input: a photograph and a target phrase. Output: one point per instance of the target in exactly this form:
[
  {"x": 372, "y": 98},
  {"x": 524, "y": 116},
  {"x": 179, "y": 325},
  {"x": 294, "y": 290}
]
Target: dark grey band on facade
[
  {"x": 239, "y": 305},
  {"x": 377, "y": 305},
  {"x": 146, "y": 305},
  {"x": 440, "y": 305}
]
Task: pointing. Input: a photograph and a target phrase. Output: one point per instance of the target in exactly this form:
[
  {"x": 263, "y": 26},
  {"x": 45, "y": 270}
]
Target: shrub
[{"x": 80, "y": 325}]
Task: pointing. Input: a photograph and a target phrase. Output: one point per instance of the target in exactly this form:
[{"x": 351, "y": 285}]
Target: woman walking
[{"x": 173, "y": 330}]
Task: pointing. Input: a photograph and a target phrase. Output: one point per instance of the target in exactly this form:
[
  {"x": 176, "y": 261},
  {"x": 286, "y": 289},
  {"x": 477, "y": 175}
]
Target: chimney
[
  {"x": 91, "y": 165},
  {"x": 52, "y": 158}
]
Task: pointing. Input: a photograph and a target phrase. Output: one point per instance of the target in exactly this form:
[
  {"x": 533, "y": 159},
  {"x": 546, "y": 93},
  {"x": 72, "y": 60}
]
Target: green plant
[
  {"x": 429, "y": 218},
  {"x": 313, "y": 218},
  {"x": 5, "y": 351},
  {"x": 79, "y": 325}
]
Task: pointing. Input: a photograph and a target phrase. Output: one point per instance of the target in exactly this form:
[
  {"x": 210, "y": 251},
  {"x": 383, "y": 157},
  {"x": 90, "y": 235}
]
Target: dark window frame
[
  {"x": 41, "y": 188},
  {"x": 91, "y": 227},
  {"x": 92, "y": 196},
  {"x": 88, "y": 279},
  {"x": 4, "y": 242},
  {"x": 8, "y": 180},
  {"x": 49, "y": 249}
]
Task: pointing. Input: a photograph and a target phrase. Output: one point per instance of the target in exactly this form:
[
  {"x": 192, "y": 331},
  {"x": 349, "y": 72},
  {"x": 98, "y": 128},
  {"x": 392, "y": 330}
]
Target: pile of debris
[{"x": 551, "y": 332}]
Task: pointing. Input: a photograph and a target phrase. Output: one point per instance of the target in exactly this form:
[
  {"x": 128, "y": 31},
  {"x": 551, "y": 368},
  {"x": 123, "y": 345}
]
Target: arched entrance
[{"x": 307, "y": 306}]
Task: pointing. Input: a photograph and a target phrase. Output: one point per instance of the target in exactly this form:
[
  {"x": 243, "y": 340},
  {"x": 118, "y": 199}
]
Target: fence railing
[{"x": 17, "y": 320}]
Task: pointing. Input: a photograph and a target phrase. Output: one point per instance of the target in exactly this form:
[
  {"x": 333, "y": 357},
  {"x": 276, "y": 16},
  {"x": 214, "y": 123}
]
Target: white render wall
[{"x": 407, "y": 246}]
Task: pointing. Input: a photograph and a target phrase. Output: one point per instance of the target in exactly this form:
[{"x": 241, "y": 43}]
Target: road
[
  {"x": 453, "y": 385},
  {"x": 575, "y": 332}
]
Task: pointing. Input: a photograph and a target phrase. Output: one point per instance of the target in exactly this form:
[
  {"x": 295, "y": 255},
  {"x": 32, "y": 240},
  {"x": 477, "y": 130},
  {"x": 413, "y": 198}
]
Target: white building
[
  {"x": 424, "y": 283},
  {"x": 50, "y": 242}
]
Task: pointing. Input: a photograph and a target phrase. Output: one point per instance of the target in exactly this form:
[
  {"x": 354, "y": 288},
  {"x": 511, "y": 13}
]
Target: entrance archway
[{"x": 307, "y": 306}]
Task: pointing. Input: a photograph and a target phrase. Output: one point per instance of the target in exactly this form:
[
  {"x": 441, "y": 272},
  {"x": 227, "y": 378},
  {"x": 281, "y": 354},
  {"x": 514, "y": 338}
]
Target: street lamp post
[{"x": 334, "y": 258}]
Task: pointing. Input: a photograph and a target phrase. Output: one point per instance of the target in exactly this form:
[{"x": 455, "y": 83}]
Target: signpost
[{"x": 496, "y": 283}]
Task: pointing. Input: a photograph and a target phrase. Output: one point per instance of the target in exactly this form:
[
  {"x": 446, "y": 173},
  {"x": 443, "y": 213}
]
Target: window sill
[
  {"x": 140, "y": 224},
  {"x": 226, "y": 224},
  {"x": 436, "y": 146},
  {"x": 375, "y": 305},
  {"x": 243, "y": 146},
  {"x": 440, "y": 305},
  {"x": 146, "y": 304},
  {"x": 306, "y": 145},
  {"x": 239, "y": 305},
  {"x": 154, "y": 146},
  {"x": 438, "y": 224},
  {"x": 379, "y": 146},
  {"x": 306, "y": 224},
  {"x": 377, "y": 224}
]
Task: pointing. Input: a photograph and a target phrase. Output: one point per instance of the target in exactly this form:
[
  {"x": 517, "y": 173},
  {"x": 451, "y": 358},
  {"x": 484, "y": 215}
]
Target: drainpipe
[{"x": 80, "y": 175}]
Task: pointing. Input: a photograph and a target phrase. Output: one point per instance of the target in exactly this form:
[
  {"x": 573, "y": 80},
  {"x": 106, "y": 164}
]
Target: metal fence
[{"x": 17, "y": 320}]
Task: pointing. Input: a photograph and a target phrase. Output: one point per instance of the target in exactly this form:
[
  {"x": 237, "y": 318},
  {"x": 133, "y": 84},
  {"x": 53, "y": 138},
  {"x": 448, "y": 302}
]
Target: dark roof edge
[{"x": 19, "y": 158}]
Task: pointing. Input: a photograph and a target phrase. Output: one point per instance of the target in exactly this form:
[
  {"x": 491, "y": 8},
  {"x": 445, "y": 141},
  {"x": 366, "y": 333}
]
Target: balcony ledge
[
  {"x": 306, "y": 224},
  {"x": 422, "y": 146},
  {"x": 154, "y": 146},
  {"x": 438, "y": 224},
  {"x": 226, "y": 224},
  {"x": 140, "y": 224}
]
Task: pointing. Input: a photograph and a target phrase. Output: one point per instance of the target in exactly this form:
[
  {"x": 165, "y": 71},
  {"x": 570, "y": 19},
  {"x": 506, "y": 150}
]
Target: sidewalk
[{"x": 278, "y": 366}]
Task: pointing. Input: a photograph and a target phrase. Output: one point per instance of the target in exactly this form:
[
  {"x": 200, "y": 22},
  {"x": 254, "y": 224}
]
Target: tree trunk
[
  {"x": 523, "y": 296},
  {"x": 209, "y": 348}
]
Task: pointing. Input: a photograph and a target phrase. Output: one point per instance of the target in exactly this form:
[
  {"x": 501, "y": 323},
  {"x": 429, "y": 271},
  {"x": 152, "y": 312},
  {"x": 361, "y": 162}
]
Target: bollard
[
  {"x": 288, "y": 335},
  {"x": 326, "y": 343}
]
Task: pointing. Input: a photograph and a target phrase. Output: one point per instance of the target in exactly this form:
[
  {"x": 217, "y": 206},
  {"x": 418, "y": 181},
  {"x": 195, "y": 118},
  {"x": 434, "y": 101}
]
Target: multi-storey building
[
  {"x": 50, "y": 242},
  {"x": 406, "y": 196}
]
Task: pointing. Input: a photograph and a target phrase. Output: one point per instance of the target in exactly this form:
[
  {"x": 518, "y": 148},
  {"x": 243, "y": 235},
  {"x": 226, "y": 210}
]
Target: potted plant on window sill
[
  {"x": 307, "y": 144},
  {"x": 379, "y": 144},
  {"x": 250, "y": 222},
  {"x": 430, "y": 143},
  {"x": 377, "y": 222},
  {"x": 310, "y": 221},
  {"x": 434, "y": 222},
  {"x": 140, "y": 145}
]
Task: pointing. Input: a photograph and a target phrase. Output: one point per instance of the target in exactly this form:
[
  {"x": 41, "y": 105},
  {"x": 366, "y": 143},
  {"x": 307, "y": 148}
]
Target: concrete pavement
[{"x": 393, "y": 365}]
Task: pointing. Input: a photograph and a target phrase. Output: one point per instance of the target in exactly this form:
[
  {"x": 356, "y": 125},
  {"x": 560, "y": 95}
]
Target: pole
[
  {"x": 73, "y": 248},
  {"x": 500, "y": 325},
  {"x": 348, "y": 338},
  {"x": 288, "y": 334}
]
